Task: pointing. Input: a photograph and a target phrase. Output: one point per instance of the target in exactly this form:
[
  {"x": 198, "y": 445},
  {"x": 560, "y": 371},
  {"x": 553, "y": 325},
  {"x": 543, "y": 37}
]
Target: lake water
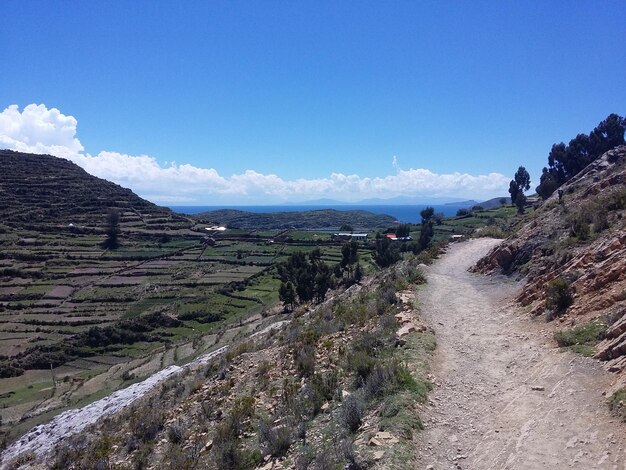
[{"x": 403, "y": 213}]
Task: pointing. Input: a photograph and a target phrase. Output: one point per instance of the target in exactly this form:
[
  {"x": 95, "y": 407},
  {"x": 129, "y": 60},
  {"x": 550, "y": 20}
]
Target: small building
[
  {"x": 349, "y": 236},
  {"x": 395, "y": 238}
]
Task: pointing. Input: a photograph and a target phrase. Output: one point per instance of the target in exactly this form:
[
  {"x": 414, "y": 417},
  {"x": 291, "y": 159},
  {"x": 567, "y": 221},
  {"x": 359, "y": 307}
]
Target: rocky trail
[{"x": 505, "y": 397}]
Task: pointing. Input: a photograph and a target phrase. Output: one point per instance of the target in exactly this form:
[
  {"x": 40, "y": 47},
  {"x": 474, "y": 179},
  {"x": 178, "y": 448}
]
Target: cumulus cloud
[{"x": 38, "y": 129}]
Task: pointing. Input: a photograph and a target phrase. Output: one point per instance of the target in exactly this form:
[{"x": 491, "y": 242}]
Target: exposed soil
[{"x": 505, "y": 397}]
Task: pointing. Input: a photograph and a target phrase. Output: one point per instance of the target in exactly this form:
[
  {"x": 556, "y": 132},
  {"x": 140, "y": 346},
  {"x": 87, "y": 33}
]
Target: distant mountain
[
  {"x": 315, "y": 219},
  {"x": 394, "y": 201},
  {"x": 46, "y": 190},
  {"x": 320, "y": 202}
]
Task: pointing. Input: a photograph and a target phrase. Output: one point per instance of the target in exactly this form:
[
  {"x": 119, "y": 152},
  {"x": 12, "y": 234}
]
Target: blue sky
[{"x": 305, "y": 90}]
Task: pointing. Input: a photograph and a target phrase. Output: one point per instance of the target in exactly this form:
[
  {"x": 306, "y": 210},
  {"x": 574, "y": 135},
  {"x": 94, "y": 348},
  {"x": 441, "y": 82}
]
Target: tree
[
  {"x": 522, "y": 179},
  {"x": 322, "y": 283},
  {"x": 386, "y": 253},
  {"x": 502, "y": 201},
  {"x": 403, "y": 230},
  {"x": 287, "y": 294},
  {"x": 565, "y": 161},
  {"x": 517, "y": 186},
  {"x": 513, "y": 191},
  {"x": 349, "y": 254},
  {"x": 112, "y": 230},
  {"x": 427, "y": 214},
  {"x": 426, "y": 230},
  {"x": 607, "y": 135},
  {"x": 547, "y": 184}
]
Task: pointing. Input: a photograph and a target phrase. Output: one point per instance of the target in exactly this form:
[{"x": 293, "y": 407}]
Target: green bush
[
  {"x": 558, "y": 297},
  {"x": 582, "y": 338}
]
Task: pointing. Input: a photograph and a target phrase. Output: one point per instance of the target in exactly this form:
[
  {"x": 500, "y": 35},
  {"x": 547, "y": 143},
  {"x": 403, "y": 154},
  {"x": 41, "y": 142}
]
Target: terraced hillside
[
  {"x": 78, "y": 321},
  {"x": 43, "y": 191}
]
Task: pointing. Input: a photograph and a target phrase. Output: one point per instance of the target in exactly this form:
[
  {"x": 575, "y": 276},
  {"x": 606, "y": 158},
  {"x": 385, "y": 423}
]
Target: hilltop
[
  {"x": 46, "y": 190},
  {"x": 571, "y": 253}
]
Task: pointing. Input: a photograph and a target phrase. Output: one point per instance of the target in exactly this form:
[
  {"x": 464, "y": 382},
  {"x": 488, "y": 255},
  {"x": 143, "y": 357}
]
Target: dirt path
[{"x": 505, "y": 397}]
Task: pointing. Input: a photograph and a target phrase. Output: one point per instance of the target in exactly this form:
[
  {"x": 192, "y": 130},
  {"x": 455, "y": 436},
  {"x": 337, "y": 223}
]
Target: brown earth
[{"x": 505, "y": 397}]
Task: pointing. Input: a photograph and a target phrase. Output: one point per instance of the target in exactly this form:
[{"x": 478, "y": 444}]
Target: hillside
[
  {"x": 572, "y": 256},
  {"x": 79, "y": 320},
  {"x": 315, "y": 219},
  {"x": 42, "y": 189}
]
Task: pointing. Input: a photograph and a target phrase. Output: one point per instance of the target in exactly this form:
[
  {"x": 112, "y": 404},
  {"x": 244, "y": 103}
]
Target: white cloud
[{"x": 40, "y": 130}]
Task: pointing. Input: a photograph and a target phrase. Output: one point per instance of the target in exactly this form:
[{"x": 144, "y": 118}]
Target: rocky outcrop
[
  {"x": 613, "y": 348},
  {"x": 594, "y": 266}
]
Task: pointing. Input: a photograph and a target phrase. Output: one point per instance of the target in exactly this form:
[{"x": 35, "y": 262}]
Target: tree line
[
  {"x": 306, "y": 277},
  {"x": 565, "y": 161}
]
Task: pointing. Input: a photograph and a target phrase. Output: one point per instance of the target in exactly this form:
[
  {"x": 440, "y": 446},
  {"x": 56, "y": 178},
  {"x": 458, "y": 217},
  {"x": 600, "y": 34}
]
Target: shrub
[
  {"x": 617, "y": 403},
  {"x": 579, "y": 226},
  {"x": 146, "y": 423},
  {"x": 582, "y": 338},
  {"x": 325, "y": 460},
  {"x": 175, "y": 433},
  {"x": 276, "y": 440},
  {"x": 600, "y": 220},
  {"x": 558, "y": 297},
  {"x": 304, "y": 358},
  {"x": 352, "y": 413},
  {"x": 361, "y": 363}
]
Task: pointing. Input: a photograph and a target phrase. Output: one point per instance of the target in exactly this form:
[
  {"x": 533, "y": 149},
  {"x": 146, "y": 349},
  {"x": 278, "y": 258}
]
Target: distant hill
[
  {"x": 394, "y": 201},
  {"x": 494, "y": 203},
  {"x": 315, "y": 219},
  {"x": 42, "y": 189},
  {"x": 468, "y": 203}
]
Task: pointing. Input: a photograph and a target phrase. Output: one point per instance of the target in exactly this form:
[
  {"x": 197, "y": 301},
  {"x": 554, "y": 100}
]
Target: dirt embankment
[{"x": 505, "y": 396}]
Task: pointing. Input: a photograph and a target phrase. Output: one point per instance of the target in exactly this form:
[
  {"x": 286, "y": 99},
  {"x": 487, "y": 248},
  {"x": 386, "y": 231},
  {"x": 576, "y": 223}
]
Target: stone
[
  {"x": 406, "y": 329},
  {"x": 374, "y": 442},
  {"x": 537, "y": 388},
  {"x": 379, "y": 454}
]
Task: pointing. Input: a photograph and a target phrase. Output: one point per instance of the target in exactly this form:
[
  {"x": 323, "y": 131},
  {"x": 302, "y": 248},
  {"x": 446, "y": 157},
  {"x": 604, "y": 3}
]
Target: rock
[
  {"x": 379, "y": 454},
  {"x": 207, "y": 446},
  {"x": 374, "y": 442},
  {"x": 537, "y": 388},
  {"x": 325, "y": 407}
]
